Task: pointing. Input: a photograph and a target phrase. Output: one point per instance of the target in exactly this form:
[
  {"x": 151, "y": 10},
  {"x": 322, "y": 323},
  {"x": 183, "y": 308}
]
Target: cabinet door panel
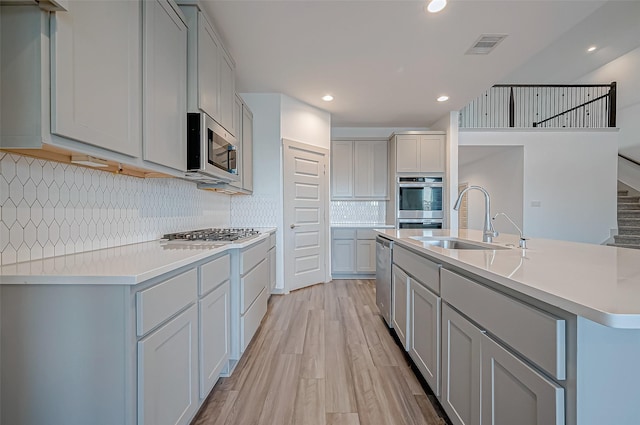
[
  {"x": 366, "y": 256},
  {"x": 380, "y": 167},
  {"x": 512, "y": 392},
  {"x": 165, "y": 86},
  {"x": 247, "y": 149},
  {"x": 272, "y": 269},
  {"x": 341, "y": 170},
  {"x": 343, "y": 256},
  {"x": 208, "y": 68},
  {"x": 400, "y": 312},
  {"x": 408, "y": 154},
  {"x": 96, "y": 91},
  {"x": 214, "y": 337},
  {"x": 168, "y": 372},
  {"x": 424, "y": 336},
  {"x": 432, "y": 154},
  {"x": 461, "y": 343},
  {"x": 227, "y": 94}
]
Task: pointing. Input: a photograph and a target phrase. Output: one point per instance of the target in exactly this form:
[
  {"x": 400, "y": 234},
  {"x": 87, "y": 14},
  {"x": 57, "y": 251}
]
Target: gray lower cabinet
[
  {"x": 461, "y": 342},
  {"x": 168, "y": 372},
  {"x": 353, "y": 251},
  {"x": 214, "y": 336},
  {"x": 400, "y": 311},
  {"x": 514, "y": 393},
  {"x": 424, "y": 332}
]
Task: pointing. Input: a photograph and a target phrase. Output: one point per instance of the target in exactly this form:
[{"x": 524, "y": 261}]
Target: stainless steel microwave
[{"x": 211, "y": 150}]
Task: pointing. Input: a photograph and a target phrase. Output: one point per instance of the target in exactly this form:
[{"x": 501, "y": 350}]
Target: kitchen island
[
  {"x": 137, "y": 334},
  {"x": 544, "y": 335}
]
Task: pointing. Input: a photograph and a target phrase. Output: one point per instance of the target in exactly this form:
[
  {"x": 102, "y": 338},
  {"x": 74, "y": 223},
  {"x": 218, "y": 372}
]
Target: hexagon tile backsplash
[{"x": 49, "y": 208}]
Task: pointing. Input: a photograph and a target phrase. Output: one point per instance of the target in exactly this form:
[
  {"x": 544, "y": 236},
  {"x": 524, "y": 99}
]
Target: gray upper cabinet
[
  {"x": 419, "y": 153},
  {"x": 96, "y": 85},
  {"x": 342, "y": 170},
  {"x": 211, "y": 79},
  {"x": 359, "y": 169},
  {"x": 165, "y": 85}
]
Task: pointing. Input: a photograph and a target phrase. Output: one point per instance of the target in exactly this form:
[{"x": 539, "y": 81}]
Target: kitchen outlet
[{"x": 536, "y": 204}]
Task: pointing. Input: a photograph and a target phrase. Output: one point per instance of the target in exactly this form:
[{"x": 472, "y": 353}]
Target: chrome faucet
[
  {"x": 488, "y": 233},
  {"x": 523, "y": 241}
]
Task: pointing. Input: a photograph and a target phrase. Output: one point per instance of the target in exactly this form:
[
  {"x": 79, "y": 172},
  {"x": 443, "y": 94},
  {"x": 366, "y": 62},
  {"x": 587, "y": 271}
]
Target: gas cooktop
[{"x": 218, "y": 235}]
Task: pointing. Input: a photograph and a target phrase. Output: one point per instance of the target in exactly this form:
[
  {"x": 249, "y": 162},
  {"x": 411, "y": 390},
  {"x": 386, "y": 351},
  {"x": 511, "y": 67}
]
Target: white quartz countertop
[
  {"x": 123, "y": 265},
  {"x": 600, "y": 283}
]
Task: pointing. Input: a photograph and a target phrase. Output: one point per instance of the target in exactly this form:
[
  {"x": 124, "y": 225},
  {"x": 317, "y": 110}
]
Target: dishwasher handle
[{"x": 384, "y": 241}]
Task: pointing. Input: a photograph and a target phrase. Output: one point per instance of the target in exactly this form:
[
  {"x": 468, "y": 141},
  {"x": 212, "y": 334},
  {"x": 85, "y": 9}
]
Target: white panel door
[
  {"x": 461, "y": 342},
  {"x": 96, "y": 91},
  {"x": 424, "y": 335},
  {"x": 165, "y": 86},
  {"x": 168, "y": 372},
  {"x": 512, "y": 392},
  {"x": 305, "y": 203}
]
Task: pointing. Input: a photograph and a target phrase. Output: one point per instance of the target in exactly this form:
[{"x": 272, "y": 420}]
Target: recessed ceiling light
[
  {"x": 591, "y": 49},
  {"x": 436, "y": 6},
  {"x": 327, "y": 98},
  {"x": 442, "y": 98}
]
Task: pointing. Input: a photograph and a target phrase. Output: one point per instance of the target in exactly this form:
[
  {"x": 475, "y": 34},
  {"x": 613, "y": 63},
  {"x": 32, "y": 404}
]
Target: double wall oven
[{"x": 419, "y": 202}]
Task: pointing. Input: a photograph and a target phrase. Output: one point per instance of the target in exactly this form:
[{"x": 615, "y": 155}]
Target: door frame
[{"x": 326, "y": 227}]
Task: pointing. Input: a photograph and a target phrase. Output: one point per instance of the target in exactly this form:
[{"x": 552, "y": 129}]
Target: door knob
[{"x": 293, "y": 226}]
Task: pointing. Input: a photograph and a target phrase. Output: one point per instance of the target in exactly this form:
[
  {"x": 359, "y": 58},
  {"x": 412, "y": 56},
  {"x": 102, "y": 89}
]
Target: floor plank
[{"x": 322, "y": 356}]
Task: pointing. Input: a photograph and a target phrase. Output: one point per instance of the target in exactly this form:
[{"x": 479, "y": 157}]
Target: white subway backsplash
[
  {"x": 49, "y": 208},
  {"x": 358, "y": 212}
]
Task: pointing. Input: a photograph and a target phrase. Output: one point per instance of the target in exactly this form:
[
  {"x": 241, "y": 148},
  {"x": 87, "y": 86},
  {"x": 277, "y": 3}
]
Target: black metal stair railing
[{"x": 535, "y": 105}]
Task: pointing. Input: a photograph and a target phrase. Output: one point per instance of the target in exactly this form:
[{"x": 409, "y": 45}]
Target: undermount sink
[{"x": 453, "y": 243}]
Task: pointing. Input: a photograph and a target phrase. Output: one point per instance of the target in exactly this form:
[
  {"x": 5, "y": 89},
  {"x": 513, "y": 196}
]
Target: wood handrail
[{"x": 535, "y": 124}]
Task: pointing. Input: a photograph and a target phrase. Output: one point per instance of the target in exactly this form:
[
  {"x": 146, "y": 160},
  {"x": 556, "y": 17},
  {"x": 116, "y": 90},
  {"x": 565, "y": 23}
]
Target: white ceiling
[{"x": 386, "y": 62}]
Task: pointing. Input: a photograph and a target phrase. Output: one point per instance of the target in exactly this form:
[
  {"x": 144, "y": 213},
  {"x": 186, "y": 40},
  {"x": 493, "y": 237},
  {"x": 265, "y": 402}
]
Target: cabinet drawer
[
  {"x": 250, "y": 321},
  {"x": 272, "y": 240},
  {"x": 344, "y": 233},
  {"x": 425, "y": 271},
  {"x": 213, "y": 273},
  {"x": 365, "y": 234},
  {"x": 251, "y": 256},
  {"x": 158, "y": 303},
  {"x": 537, "y": 335},
  {"x": 252, "y": 284}
]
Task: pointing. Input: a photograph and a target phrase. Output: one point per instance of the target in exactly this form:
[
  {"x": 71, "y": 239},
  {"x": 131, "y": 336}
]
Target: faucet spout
[{"x": 488, "y": 233}]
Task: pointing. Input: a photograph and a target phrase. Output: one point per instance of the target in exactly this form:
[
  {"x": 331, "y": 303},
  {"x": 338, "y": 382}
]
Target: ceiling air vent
[{"x": 485, "y": 44}]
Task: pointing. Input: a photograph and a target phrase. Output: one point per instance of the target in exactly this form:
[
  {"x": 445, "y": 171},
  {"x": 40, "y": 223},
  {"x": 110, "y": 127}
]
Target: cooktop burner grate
[{"x": 213, "y": 234}]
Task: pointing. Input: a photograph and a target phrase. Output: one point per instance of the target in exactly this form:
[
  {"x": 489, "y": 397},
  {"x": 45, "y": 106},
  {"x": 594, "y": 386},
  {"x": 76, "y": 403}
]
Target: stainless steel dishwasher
[{"x": 384, "y": 248}]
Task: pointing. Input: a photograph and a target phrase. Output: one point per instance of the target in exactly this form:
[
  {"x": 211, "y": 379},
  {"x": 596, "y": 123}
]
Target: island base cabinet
[
  {"x": 424, "y": 336},
  {"x": 214, "y": 337},
  {"x": 400, "y": 311},
  {"x": 168, "y": 372},
  {"x": 461, "y": 343},
  {"x": 514, "y": 393}
]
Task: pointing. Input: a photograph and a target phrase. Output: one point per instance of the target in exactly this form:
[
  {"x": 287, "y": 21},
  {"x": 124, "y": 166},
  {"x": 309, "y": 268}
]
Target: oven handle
[{"x": 418, "y": 185}]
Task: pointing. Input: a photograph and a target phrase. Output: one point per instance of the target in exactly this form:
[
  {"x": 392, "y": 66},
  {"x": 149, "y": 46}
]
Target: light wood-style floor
[{"x": 324, "y": 356}]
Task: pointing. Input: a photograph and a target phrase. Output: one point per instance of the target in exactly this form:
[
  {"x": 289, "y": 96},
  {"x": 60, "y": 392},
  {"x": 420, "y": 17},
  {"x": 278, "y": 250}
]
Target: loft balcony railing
[{"x": 552, "y": 106}]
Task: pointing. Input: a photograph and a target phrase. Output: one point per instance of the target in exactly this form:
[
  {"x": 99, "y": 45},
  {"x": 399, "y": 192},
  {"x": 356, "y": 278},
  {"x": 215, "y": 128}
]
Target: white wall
[
  {"x": 500, "y": 170},
  {"x": 573, "y": 174},
  {"x": 624, "y": 71},
  {"x": 304, "y": 123}
]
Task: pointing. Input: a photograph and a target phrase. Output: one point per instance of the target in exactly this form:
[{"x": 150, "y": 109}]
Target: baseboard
[
  {"x": 612, "y": 233},
  {"x": 352, "y": 276}
]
